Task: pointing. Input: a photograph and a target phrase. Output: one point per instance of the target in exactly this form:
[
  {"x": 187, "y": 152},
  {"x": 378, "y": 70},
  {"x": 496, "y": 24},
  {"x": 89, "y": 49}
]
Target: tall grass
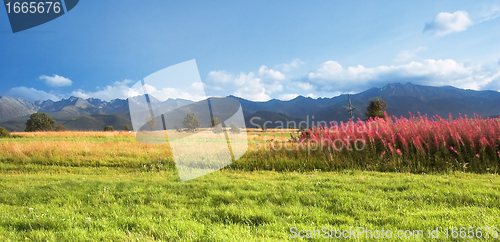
[
  {"x": 85, "y": 149},
  {"x": 415, "y": 144}
]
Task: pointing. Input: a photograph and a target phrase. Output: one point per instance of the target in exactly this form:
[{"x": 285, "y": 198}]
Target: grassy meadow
[{"x": 84, "y": 186}]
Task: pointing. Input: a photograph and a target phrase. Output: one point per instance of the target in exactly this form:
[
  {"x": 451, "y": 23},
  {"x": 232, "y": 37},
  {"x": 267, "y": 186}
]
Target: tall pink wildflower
[
  {"x": 403, "y": 141},
  {"x": 390, "y": 147},
  {"x": 399, "y": 152}
]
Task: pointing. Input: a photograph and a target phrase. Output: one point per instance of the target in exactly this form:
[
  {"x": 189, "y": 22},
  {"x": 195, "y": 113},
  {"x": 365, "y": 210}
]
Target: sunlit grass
[
  {"x": 75, "y": 186},
  {"x": 115, "y": 204}
]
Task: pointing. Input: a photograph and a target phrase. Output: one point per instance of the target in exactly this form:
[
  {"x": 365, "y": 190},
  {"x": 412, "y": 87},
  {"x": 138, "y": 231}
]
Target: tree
[
  {"x": 40, "y": 122},
  {"x": 216, "y": 126},
  {"x": 109, "y": 128},
  {"x": 126, "y": 127},
  {"x": 4, "y": 133},
  {"x": 191, "y": 122},
  {"x": 234, "y": 128},
  {"x": 376, "y": 108},
  {"x": 60, "y": 128}
]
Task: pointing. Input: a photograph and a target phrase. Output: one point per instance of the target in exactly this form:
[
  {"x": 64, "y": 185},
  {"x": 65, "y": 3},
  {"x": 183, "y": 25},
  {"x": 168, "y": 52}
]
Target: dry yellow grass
[
  {"x": 75, "y": 134},
  {"x": 81, "y": 148},
  {"x": 78, "y": 148}
]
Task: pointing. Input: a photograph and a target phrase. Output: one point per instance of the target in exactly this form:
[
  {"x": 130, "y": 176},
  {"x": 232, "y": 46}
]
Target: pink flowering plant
[{"x": 415, "y": 144}]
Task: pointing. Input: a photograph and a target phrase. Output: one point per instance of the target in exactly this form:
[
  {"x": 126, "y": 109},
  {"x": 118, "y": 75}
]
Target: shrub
[
  {"x": 4, "y": 133},
  {"x": 126, "y": 128},
  {"x": 109, "y": 128},
  {"x": 178, "y": 129},
  {"x": 60, "y": 128}
]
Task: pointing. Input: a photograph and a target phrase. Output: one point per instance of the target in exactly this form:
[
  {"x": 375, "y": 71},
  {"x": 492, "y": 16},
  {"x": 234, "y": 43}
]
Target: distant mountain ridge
[
  {"x": 74, "y": 113},
  {"x": 12, "y": 108},
  {"x": 94, "y": 114}
]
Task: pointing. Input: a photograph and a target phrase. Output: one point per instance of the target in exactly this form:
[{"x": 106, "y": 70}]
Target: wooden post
[{"x": 350, "y": 106}]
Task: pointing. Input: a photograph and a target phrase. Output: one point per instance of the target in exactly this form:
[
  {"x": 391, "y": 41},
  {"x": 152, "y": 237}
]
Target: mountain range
[{"x": 94, "y": 114}]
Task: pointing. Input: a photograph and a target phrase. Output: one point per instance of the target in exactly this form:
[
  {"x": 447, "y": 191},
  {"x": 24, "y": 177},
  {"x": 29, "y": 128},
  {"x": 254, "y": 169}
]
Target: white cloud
[
  {"x": 273, "y": 87},
  {"x": 494, "y": 84},
  {"x": 121, "y": 90},
  {"x": 110, "y": 92},
  {"x": 406, "y": 55},
  {"x": 286, "y": 97},
  {"x": 446, "y": 23},
  {"x": 300, "y": 85},
  {"x": 311, "y": 95},
  {"x": 194, "y": 93},
  {"x": 31, "y": 94},
  {"x": 286, "y": 67},
  {"x": 56, "y": 81},
  {"x": 256, "y": 86},
  {"x": 491, "y": 13},
  {"x": 332, "y": 77},
  {"x": 219, "y": 77},
  {"x": 305, "y": 86},
  {"x": 117, "y": 90},
  {"x": 265, "y": 72},
  {"x": 252, "y": 86},
  {"x": 328, "y": 79}
]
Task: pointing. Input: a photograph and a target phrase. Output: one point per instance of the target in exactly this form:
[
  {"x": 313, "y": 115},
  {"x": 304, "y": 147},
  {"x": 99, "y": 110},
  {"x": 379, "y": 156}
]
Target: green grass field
[{"x": 145, "y": 202}]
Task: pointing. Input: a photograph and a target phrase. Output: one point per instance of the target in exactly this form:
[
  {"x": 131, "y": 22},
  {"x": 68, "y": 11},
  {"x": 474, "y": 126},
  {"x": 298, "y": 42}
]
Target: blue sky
[{"x": 257, "y": 50}]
